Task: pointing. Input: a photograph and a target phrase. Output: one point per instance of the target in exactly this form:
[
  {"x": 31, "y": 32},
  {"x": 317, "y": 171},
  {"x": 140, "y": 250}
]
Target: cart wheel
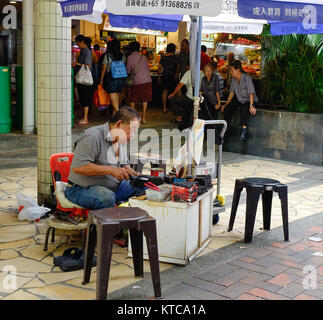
[{"x": 216, "y": 219}]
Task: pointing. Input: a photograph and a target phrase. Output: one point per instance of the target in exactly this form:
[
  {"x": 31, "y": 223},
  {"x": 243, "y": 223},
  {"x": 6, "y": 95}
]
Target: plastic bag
[
  {"x": 29, "y": 209},
  {"x": 96, "y": 101},
  {"x": 104, "y": 98},
  {"x": 84, "y": 76},
  {"x": 32, "y": 213}
]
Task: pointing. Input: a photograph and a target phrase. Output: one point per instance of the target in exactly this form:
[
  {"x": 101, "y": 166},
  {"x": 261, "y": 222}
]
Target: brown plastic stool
[{"x": 103, "y": 225}]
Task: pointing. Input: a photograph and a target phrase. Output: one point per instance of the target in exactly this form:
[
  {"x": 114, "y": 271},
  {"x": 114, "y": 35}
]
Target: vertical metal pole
[
  {"x": 28, "y": 67},
  {"x": 197, "y": 82},
  {"x": 197, "y": 69}
]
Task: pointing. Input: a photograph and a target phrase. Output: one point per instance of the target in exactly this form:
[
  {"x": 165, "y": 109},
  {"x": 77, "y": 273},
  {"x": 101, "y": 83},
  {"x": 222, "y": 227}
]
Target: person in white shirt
[{"x": 184, "y": 101}]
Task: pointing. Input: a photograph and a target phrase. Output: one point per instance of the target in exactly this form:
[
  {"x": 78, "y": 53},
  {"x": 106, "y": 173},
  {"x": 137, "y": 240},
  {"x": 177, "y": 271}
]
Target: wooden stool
[
  {"x": 103, "y": 225},
  {"x": 255, "y": 187},
  {"x": 54, "y": 223}
]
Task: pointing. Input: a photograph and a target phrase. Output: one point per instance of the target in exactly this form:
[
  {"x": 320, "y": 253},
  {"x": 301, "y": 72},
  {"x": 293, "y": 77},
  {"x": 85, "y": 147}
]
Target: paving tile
[
  {"x": 314, "y": 292},
  {"x": 298, "y": 247},
  {"x": 180, "y": 297},
  {"x": 279, "y": 245},
  {"x": 275, "y": 269},
  {"x": 266, "y": 294},
  {"x": 229, "y": 279},
  {"x": 192, "y": 292},
  {"x": 21, "y": 295},
  {"x": 63, "y": 292},
  {"x": 248, "y": 266},
  {"x": 204, "y": 285},
  {"x": 207, "y": 276},
  {"x": 254, "y": 277},
  {"x": 17, "y": 232},
  {"x": 283, "y": 279},
  {"x": 303, "y": 255},
  {"x": 235, "y": 290},
  {"x": 247, "y": 260},
  {"x": 55, "y": 277},
  {"x": 8, "y": 254},
  {"x": 259, "y": 253},
  {"x": 223, "y": 270},
  {"x": 304, "y": 296},
  {"x": 9, "y": 284},
  {"x": 285, "y": 251},
  {"x": 291, "y": 291},
  {"x": 247, "y": 296},
  {"x": 314, "y": 261},
  {"x": 291, "y": 264},
  {"x": 267, "y": 261},
  {"x": 315, "y": 229},
  {"x": 24, "y": 264}
]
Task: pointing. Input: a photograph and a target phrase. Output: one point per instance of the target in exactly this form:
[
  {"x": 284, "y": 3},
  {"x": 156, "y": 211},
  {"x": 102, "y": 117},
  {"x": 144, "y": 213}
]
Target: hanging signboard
[
  {"x": 77, "y": 7},
  {"x": 145, "y": 7},
  {"x": 304, "y": 11}
]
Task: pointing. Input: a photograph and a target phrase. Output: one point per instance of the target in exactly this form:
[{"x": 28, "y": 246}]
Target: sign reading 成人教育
[
  {"x": 283, "y": 28},
  {"x": 147, "y": 7},
  {"x": 77, "y": 7},
  {"x": 303, "y": 11}
]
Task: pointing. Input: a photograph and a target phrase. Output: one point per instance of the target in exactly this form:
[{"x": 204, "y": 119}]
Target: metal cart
[{"x": 218, "y": 209}]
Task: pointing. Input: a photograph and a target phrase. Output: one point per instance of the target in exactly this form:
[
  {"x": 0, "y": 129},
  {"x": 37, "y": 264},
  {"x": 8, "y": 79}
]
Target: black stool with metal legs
[{"x": 256, "y": 187}]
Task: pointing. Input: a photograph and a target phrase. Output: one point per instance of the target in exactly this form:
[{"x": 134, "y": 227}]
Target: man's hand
[
  {"x": 218, "y": 106},
  {"x": 252, "y": 110},
  {"x": 223, "y": 107},
  {"x": 131, "y": 171},
  {"x": 119, "y": 173},
  {"x": 171, "y": 96}
]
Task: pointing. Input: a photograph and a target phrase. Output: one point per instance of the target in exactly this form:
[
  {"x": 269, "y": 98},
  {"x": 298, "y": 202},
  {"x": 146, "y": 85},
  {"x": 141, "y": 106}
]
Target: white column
[
  {"x": 53, "y": 71},
  {"x": 28, "y": 67}
]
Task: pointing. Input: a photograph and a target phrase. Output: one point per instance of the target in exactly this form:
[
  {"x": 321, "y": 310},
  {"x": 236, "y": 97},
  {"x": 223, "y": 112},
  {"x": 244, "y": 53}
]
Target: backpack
[{"x": 118, "y": 69}]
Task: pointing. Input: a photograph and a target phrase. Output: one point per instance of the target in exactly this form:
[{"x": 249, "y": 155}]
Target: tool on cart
[
  {"x": 187, "y": 192},
  {"x": 140, "y": 181},
  {"x": 151, "y": 186}
]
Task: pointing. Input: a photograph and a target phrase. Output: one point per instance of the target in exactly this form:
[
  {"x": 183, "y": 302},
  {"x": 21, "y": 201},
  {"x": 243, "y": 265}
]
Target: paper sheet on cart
[{"x": 195, "y": 145}]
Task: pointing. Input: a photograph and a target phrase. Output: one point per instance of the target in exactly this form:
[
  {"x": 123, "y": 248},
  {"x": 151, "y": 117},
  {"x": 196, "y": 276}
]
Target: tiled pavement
[{"x": 274, "y": 270}]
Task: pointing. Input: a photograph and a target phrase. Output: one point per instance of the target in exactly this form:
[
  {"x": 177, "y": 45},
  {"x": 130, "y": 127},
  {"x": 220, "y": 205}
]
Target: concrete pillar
[
  {"x": 28, "y": 67},
  {"x": 53, "y": 78}
]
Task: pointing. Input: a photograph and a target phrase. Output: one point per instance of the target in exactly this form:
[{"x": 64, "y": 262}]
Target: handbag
[
  {"x": 84, "y": 76},
  {"x": 131, "y": 78}
]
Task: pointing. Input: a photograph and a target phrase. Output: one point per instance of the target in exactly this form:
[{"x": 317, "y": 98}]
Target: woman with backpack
[
  {"x": 114, "y": 73},
  {"x": 137, "y": 67}
]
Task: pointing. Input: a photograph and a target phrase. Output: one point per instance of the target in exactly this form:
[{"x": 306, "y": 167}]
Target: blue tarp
[
  {"x": 279, "y": 10},
  {"x": 77, "y": 7},
  {"x": 158, "y": 22}
]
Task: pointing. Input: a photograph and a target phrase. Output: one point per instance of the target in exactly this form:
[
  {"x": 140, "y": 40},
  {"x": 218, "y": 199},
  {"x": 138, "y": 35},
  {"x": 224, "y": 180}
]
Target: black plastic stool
[
  {"x": 103, "y": 225},
  {"x": 255, "y": 187}
]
